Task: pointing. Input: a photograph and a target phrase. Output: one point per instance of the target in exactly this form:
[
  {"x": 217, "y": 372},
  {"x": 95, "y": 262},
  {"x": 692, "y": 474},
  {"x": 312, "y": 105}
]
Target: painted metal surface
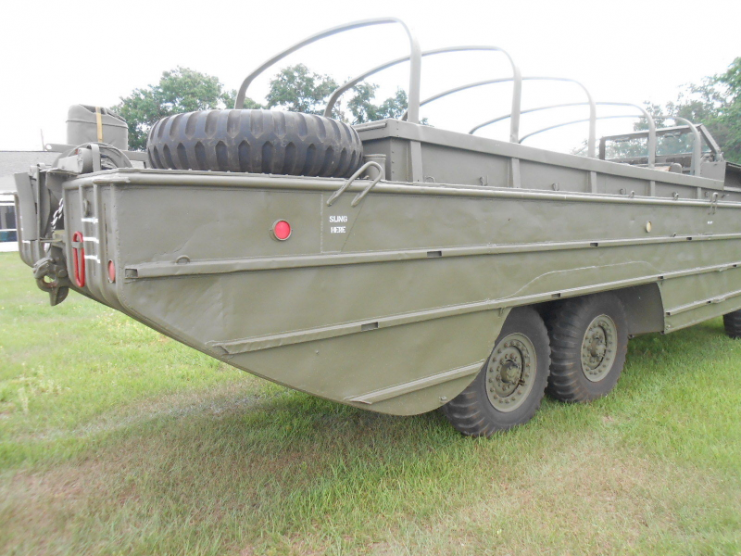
[
  {"x": 393, "y": 304},
  {"x": 388, "y": 290}
]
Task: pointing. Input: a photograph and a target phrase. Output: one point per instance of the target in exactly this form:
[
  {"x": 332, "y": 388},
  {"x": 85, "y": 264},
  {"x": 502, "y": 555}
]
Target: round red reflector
[
  {"x": 111, "y": 271},
  {"x": 282, "y": 230}
]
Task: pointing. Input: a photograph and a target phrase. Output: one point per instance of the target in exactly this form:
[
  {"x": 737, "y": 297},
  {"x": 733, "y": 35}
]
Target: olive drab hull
[
  {"x": 386, "y": 287},
  {"x": 394, "y": 304}
]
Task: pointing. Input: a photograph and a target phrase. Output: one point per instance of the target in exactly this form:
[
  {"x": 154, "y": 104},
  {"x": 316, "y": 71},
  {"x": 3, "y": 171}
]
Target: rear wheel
[
  {"x": 508, "y": 390},
  {"x": 732, "y": 324},
  {"x": 589, "y": 339}
]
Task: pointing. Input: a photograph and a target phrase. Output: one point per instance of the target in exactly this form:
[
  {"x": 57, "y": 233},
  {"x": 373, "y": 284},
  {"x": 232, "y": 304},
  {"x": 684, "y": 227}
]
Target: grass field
[{"x": 117, "y": 440}]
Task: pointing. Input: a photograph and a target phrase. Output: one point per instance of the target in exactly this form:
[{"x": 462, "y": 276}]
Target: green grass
[{"x": 117, "y": 440}]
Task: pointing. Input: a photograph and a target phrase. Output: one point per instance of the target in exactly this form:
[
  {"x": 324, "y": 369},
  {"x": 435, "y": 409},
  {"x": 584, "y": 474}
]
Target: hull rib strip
[
  {"x": 226, "y": 266},
  {"x": 420, "y": 384},
  {"x": 300, "y": 336}
]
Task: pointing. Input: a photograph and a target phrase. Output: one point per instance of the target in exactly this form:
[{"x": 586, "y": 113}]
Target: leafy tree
[
  {"x": 716, "y": 102},
  {"x": 297, "y": 89},
  {"x": 179, "y": 90},
  {"x": 363, "y": 110},
  {"x": 294, "y": 88}
]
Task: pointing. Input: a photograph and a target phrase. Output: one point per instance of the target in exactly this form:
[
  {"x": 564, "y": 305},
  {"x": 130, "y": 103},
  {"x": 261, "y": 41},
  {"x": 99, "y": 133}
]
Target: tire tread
[
  {"x": 255, "y": 141},
  {"x": 566, "y": 381},
  {"x": 468, "y": 412},
  {"x": 732, "y": 324}
]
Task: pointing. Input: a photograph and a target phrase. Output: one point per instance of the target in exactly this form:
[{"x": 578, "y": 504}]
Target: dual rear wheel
[
  {"x": 575, "y": 353},
  {"x": 732, "y": 324}
]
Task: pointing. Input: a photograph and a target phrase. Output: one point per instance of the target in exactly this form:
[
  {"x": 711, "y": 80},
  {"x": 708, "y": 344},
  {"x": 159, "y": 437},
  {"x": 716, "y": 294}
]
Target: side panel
[
  {"x": 392, "y": 305},
  {"x": 693, "y": 299},
  {"x": 644, "y": 308}
]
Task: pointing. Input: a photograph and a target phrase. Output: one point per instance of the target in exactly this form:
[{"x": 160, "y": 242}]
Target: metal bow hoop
[
  {"x": 412, "y": 114},
  {"x": 516, "y": 78},
  {"x": 591, "y": 120},
  {"x": 415, "y": 71},
  {"x": 591, "y": 141}
]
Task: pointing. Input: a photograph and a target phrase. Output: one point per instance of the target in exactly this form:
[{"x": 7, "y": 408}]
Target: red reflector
[
  {"x": 111, "y": 271},
  {"x": 282, "y": 230}
]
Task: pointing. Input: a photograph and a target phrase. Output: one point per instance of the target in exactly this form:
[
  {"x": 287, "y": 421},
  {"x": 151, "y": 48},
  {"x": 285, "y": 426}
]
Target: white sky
[{"x": 55, "y": 54}]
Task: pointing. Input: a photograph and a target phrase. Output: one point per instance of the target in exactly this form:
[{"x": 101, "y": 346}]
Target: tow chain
[
  {"x": 48, "y": 272},
  {"x": 57, "y": 215}
]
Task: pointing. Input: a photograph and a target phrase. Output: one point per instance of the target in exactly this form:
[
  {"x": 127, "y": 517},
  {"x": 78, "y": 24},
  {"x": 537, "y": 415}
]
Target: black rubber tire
[
  {"x": 256, "y": 141},
  {"x": 567, "y": 324},
  {"x": 472, "y": 413},
  {"x": 732, "y": 324}
]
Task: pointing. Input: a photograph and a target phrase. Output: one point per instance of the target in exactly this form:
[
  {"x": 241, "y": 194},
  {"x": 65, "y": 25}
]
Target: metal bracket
[
  {"x": 56, "y": 286},
  {"x": 714, "y": 203},
  {"x": 359, "y": 197},
  {"x": 78, "y": 259}
]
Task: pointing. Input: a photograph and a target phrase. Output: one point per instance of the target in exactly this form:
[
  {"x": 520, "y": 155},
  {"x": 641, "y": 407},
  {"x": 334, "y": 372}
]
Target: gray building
[{"x": 12, "y": 162}]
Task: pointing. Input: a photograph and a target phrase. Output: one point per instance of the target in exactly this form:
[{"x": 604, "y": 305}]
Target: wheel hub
[
  {"x": 599, "y": 348},
  {"x": 510, "y": 372}
]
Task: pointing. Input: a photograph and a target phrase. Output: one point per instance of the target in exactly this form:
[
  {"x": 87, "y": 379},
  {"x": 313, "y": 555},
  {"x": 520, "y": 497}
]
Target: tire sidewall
[
  {"x": 593, "y": 307},
  {"x": 255, "y": 141},
  {"x": 528, "y": 322}
]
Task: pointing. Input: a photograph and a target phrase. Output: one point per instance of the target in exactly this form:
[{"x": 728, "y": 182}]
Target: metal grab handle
[
  {"x": 359, "y": 197},
  {"x": 415, "y": 71}
]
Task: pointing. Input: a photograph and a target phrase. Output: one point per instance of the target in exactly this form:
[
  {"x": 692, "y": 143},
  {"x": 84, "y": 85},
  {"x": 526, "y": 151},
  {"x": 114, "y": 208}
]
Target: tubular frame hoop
[
  {"x": 697, "y": 145},
  {"x": 591, "y": 141},
  {"x": 645, "y": 114},
  {"x": 415, "y": 70},
  {"x": 573, "y": 122},
  {"x": 516, "y": 78}
]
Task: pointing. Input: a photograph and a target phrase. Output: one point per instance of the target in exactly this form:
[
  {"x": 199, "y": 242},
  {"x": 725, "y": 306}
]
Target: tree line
[
  {"x": 715, "y": 102},
  {"x": 294, "y": 88}
]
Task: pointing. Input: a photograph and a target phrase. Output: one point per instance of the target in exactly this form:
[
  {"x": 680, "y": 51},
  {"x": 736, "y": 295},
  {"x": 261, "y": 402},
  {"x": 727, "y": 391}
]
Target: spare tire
[{"x": 257, "y": 141}]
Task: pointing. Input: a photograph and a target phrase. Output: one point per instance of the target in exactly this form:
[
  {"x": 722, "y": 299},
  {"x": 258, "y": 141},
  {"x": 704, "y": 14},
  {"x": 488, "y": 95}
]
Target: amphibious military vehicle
[{"x": 393, "y": 266}]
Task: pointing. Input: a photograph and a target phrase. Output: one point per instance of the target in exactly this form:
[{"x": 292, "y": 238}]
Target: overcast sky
[{"x": 55, "y": 54}]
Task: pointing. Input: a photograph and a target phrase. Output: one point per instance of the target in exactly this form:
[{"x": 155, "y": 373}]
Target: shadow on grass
[
  {"x": 284, "y": 465},
  {"x": 293, "y": 438},
  {"x": 243, "y": 470}
]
